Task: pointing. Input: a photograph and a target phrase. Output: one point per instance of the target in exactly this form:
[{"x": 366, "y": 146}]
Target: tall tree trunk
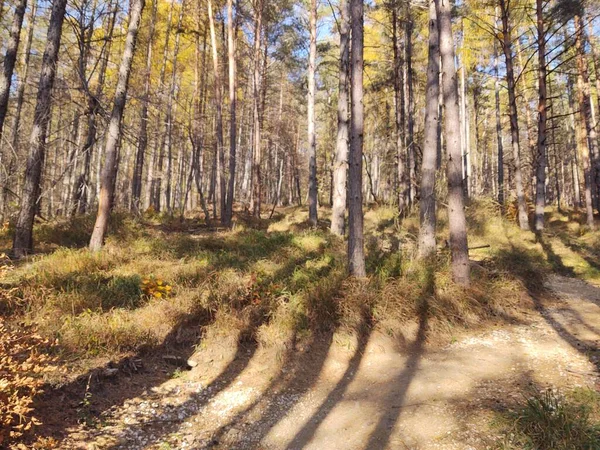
[
  {"x": 540, "y": 182},
  {"x": 109, "y": 171},
  {"x": 220, "y": 180},
  {"x": 500, "y": 152},
  {"x": 312, "y": 138},
  {"x": 169, "y": 119},
  {"x": 23, "y": 239},
  {"x": 340, "y": 165},
  {"x": 136, "y": 183},
  {"x": 456, "y": 209},
  {"x": 16, "y": 124},
  {"x": 427, "y": 245},
  {"x": 10, "y": 57},
  {"x": 356, "y": 256},
  {"x": 256, "y": 135},
  {"x": 410, "y": 116},
  {"x": 400, "y": 117},
  {"x": 94, "y": 109},
  {"x": 587, "y": 132},
  {"x": 513, "y": 114},
  {"x": 231, "y": 44}
]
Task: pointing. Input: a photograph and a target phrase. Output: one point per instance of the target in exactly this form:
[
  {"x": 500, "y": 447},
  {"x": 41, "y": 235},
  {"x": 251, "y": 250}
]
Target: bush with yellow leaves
[
  {"x": 22, "y": 368},
  {"x": 155, "y": 287}
]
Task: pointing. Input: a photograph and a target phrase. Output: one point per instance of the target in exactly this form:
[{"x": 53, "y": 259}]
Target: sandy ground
[{"x": 361, "y": 392}]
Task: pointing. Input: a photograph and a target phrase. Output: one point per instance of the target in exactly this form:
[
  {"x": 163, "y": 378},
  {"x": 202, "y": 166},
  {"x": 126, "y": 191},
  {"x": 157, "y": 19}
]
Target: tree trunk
[
  {"x": 513, "y": 114},
  {"x": 231, "y": 44},
  {"x": 84, "y": 192},
  {"x": 400, "y": 117},
  {"x": 338, "y": 211},
  {"x": 136, "y": 183},
  {"x": 312, "y": 139},
  {"x": 456, "y": 209},
  {"x": 356, "y": 256},
  {"x": 10, "y": 58},
  {"x": 587, "y": 133},
  {"x": 498, "y": 125},
  {"x": 16, "y": 125},
  {"x": 410, "y": 116},
  {"x": 540, "y": 182},
  {"x": 256, "y": 150},
  {"x": 23, "y": 242},
  {"x": 427, "y": 245},
  {"x": 109, "y": 171},
  {"x": 220, "y": 176}
]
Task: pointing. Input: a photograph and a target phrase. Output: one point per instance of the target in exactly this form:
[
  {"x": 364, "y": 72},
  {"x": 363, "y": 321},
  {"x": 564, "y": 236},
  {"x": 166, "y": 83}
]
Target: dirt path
[{"x": 362, "y": 393}]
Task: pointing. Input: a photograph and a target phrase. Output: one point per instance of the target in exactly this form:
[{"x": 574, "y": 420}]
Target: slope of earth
[{"x": 362, "y": 392}]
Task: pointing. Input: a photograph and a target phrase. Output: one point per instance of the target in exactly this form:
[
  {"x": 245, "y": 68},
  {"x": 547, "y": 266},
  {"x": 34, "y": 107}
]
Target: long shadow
[
  {"x": 292, "y": 382},
  {"x": 244, "y": 353},
  {"x": 85, "y": 398},
  {"x": 553, "y": 258},
  {"x": 305, "y": 435},
  {"x": 381, "y": 434},
  {"x": 529, "y": 274}
]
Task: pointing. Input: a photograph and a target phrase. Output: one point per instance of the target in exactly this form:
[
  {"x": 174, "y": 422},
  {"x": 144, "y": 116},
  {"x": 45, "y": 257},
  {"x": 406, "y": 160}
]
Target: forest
[{"x": 321, "y": 224}]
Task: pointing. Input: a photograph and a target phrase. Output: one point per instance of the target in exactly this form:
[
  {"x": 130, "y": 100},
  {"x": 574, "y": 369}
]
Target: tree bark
[
  {"x": 10, "y": 57},
  {"x": 410, "y": 116},
  {"x": 94, "y": 110},
  {"x": 16, "y": 124},
  {"x": 500, "y": 151},
  {"x": 109, "y": 171},
  {"x": 220, "y": 181},
  {"x": 427, "y": 244},
  {"x": 356, "y": 257},
  {"x": 231, "y": 44},
  {"x": 513, "y": 114},
  {"x": 256, "y": 135},
  {"x": 340, "y": 168},
  {"x": 136, "y": 183},
  {"x": 540, "y": 182},
  {"x": 400, "y": 117},
  {"x": 312, "y": 138},
  {"x": 587, "y": 133},
  {"x": 23, "y": 239},
  {"x": 456, "y": 210}
]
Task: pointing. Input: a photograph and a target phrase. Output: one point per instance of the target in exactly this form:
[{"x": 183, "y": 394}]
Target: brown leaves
[{"x": 22, "y": 367}]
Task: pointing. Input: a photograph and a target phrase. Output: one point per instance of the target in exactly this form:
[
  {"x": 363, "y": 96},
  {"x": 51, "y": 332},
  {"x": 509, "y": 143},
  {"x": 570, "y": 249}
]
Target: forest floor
[{"x": 428, "y": 379}]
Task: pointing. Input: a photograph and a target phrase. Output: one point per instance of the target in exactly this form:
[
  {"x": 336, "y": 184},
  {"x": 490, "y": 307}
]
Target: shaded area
[
  {"x": 528, "y": 267},
  {"x": 392, "y": 410}
]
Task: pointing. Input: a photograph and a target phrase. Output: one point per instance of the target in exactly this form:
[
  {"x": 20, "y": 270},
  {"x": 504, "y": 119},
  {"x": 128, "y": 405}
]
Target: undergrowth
[
  {"x": 269, "y": 280},
  {"x": 550, "y": 420}
]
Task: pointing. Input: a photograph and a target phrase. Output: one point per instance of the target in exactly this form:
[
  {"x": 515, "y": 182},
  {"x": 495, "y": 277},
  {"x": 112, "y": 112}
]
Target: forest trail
[{"x": 363, "y": 392}]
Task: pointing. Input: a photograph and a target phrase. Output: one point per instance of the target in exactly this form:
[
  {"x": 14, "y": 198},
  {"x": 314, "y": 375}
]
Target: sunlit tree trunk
[
  {"x": 220, "y": 160},
  {"x": 136, "y": 184},
  {"x": 10, "y": 57},
  {"x": 457, "y": 223},
  {"x": 84, "y": 191},
  {"x": 5, "y": 184},
  {"x": 312, "y": 138},
  {"x": 540, "y": 182},
  {"x": 427, "y": 244},
  {"x": 513, "y": 115},
  {"x": 340, "y": 165},
  {"x": 23, "y": 239},
  {"x": 231, "y": 44},
  {"x": 400, "y": 117},
  {"x": 356, "y": 257},
  {"x": 410, "y": 116},
  {"x": 256, "y": 135},
  {"x": 587, "y": 132},
  {"x": 500, "y": 146},
  {"x": 109, "y": 171}
]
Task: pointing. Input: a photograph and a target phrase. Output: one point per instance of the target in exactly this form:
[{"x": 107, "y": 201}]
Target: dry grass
[{"x": 270, "y": 283}]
